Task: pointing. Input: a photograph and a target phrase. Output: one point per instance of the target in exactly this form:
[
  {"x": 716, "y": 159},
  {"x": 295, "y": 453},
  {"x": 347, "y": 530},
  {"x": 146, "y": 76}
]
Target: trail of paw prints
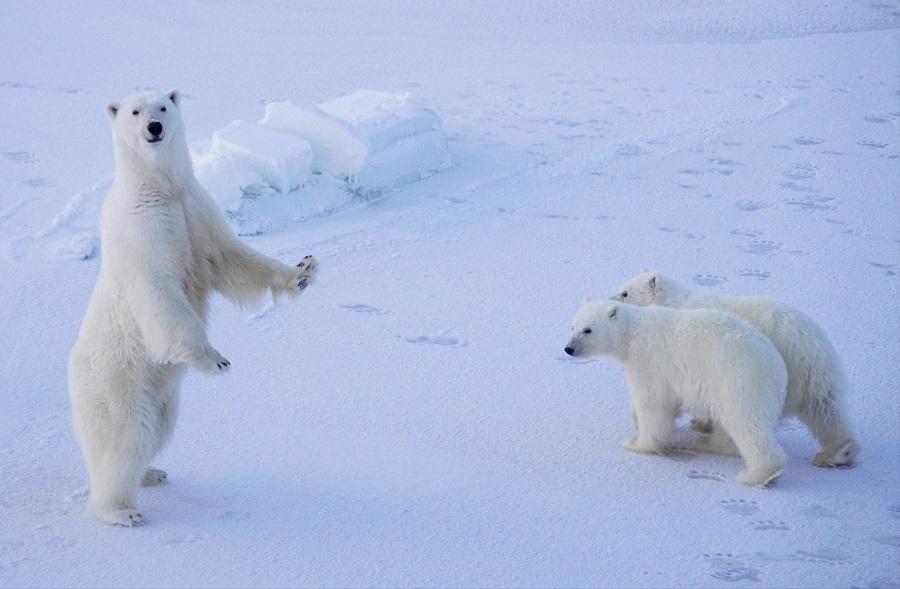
[
  {"x": 706, "y": 475},
  {"x": 883, "y": 118},
  {"x": 745, "y": 232},
  {"x": 819, "y": 203},
  {"x": 365, "y": 309},
  {"x": 894, "y": 510},
  {"x": 18, "y": 157},
  {"x": 758, "y": 274},
  {"x": 181, "y": 537},
  {"x": 819, "y": 511},
  {"x": 872, "y": 144},
  {"x": 441, "y": 340},
  {"x": 681, "y": 232},
  {"x": 879, "y": 583},
  {"x": 795, "y": 187},
  {"x": 729, "y": 567},
  {"x": 800, "y": 172},
  {"x": 39, "y": 182},
  {"x": 708, "y": 279},
  {"x": 808, "y": 140},
  {"x": 761, "y": 246},
  {"x": 764, "y": 525},
  {"x": 739, "y": 506},
  {"x": 888, "y": 268},
  {"x": 751, "y": 205},
  {"x": 888, "y": 541},
  {"x": 829, "y": 556}
]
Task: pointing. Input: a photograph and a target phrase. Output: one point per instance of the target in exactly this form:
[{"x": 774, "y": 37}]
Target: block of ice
[
  {"x": 337, "y": 149},
  {"x": 281, "y": 160},
  {"x": 381, "y": 118},
  {"x": 220, "y": 175},
  {"x": 375, "y": 140}
]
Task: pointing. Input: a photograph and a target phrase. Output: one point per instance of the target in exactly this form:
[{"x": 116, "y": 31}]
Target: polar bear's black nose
[
  {"x": 155, "y": 128},
  {"x": 570, "y": 350}
]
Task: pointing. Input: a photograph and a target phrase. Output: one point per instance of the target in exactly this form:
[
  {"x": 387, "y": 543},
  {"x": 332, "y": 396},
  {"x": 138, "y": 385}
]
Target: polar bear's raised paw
[
  {"x": 307, "y": 267},
  {"x": 210, "y": 360}
]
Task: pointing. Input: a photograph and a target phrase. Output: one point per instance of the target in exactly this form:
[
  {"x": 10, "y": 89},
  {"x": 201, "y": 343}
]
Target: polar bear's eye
[
  {"x": 135, "y": 113},
  {"x": 163, "y": 109},
  {"x": 625, "y": 295},
  {"x": 586, "y": 330}
]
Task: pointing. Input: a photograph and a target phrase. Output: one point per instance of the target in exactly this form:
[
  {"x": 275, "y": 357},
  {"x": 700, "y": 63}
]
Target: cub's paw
[
  {"x": 154, "y": 477},
  {"x": 126, "y": 517},
  {"x": 306, "y": 271},
  {"x": 210, "y": 360},
  {"x": 641, "y": 447}
]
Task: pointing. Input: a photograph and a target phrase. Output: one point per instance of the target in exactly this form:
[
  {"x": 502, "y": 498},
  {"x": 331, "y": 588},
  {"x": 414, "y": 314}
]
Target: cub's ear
[
  {"x": 613, "y": 312},
  {"x": 112, "y": 109},
  {"x": 175, "y": 97}
]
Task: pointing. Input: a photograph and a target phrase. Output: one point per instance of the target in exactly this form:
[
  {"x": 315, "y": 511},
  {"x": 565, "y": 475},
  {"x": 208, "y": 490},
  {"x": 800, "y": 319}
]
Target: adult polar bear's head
[
  {"x": 148, "y": 126},
  {"x": 598, "y": 329}
]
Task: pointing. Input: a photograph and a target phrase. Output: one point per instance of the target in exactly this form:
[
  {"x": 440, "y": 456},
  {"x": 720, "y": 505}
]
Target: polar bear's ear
[
  {"x": 112, "y": 109},
  {"x": 586, "y": 300},
  {"x": 653, "y": 284},
  {"x": 175, "y": 97},
  {"x": 613, "y": 312}
]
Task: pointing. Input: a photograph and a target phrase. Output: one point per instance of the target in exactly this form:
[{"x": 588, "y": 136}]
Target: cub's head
[
  {"x": 597, "y": 329},
  {"x": 147, "y": 122},
  {"x": 648, "y": 288}
]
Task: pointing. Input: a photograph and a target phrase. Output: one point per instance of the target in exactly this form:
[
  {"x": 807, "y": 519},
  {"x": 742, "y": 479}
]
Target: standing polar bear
[
  {"x": 166, "y": 246},
  {"x": 701, "y": 360},
  {"x": 816, "y": 385}
]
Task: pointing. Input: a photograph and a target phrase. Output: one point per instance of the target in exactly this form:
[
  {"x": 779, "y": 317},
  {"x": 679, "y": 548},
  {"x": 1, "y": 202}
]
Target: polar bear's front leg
[
  {"x": 170, "y": 327},
  {"x": 244, "y": 274},
  {"x": 654, "y": 428}
]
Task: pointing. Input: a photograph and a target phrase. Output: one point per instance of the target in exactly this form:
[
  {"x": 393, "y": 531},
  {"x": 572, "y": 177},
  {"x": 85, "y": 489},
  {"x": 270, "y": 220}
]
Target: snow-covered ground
[{"x": 412, "y": 419}]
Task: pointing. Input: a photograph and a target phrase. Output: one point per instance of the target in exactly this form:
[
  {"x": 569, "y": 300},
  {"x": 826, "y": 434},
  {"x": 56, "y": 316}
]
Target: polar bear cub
[
  {"x": 705, "y": 360},
  {"x": 816, "y": 385},
  {"x": 166, "y": 247}
]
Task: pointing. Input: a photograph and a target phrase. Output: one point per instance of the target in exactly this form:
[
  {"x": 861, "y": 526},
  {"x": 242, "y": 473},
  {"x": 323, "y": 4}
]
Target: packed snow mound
[{"x": 377, "y": 141}]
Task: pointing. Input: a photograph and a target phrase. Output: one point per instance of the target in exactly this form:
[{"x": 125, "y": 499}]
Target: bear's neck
[{"x": 167, "y": 171}]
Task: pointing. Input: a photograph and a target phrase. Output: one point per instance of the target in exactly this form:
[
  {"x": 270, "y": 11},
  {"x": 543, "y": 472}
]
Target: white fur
[
  {"x": 698, "y": 360},
  {"x": 816, "y": 385},
  {"x": 166, "y": 246}
]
